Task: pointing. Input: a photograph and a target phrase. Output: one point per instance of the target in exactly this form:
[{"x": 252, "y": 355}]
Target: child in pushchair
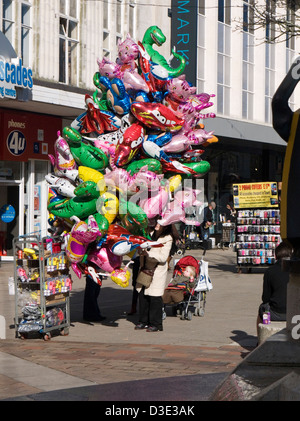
[{"x": 180, "y": 292}]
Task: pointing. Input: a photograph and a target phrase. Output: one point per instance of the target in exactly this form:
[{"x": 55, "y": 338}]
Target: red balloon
[
  {"x": 156, "y": 116},
  {"x": 129, "y": 144}
]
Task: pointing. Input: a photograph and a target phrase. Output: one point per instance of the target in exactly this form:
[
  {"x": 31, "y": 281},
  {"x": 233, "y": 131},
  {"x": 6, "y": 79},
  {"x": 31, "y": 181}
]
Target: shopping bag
[{"x": 204, "y": 283}]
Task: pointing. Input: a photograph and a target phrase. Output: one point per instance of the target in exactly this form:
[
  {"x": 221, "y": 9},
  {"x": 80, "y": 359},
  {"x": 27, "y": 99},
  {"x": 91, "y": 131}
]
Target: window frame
[{"x": 65, "y": 73}]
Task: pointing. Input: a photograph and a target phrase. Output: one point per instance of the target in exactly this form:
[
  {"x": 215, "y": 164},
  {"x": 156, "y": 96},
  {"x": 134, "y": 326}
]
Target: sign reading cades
[{"x": 13, "y": 74}]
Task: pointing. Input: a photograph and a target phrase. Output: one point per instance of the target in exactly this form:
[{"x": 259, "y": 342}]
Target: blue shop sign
[{"x": 7, "y": 213}]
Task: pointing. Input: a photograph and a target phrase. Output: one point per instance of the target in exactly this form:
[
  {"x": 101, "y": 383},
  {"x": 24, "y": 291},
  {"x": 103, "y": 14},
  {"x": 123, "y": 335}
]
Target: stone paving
[{"x": 198, "y": 353}]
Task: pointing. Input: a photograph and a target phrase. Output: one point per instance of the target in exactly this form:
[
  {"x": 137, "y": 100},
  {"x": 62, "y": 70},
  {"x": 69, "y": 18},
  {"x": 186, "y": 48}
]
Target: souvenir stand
[
  {"x": 42, "y": 287},
  {"x": 257, "y": 224}
]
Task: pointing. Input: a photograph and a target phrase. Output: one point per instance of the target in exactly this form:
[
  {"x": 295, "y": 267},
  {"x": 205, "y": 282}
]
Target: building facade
[
  {"x": 54, "y": 44},
  {"x": 237, "y": 63}
]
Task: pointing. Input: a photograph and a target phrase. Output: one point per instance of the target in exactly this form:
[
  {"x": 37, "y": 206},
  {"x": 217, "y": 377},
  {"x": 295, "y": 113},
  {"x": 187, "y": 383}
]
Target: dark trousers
[
  {"x": 91, "y": 309},
  {"x": 150, "y": 310}
]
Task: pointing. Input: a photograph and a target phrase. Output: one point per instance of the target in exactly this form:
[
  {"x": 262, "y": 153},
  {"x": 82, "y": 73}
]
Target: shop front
[{"x": 27, "y": 139}]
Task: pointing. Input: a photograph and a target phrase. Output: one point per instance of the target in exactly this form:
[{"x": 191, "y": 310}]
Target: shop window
[
  {"x": 269, "y": 63},
  {"x": 248, "y": 63},
  {"x": 201, "y": 53},
  {"x": 25, "y": 32},
  {"x": 7, "y": 19},
  {"x": 68, "y": 42},
  {"x": 201, "y": 7},
  {"x": 132, "y": 18},
  {"x": 223, "y": 76}
]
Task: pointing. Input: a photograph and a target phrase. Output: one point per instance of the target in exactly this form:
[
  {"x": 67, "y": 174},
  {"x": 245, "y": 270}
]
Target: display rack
[
  {"x": 42, "y": 287},
  {"x": 257, "y": 235}
]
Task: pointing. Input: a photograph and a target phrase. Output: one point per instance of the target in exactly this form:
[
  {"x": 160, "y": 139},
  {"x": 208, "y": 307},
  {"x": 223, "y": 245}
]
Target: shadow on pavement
[{"x": 180, "y": 388}]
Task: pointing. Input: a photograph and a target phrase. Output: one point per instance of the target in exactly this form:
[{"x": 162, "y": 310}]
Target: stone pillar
[{"x": 2, "y": 327}]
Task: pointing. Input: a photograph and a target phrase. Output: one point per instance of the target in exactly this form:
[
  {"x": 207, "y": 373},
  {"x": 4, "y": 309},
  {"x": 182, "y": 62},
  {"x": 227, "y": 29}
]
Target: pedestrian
[
  {"x": 230, "y": 213},
  {"x": 135, "y": 294},
  {"x": 208, "y": 221},
  {"x": 275, "y": 287},
  {"x": 150, "y": 299},
  {"x": 91, "y": 310}
]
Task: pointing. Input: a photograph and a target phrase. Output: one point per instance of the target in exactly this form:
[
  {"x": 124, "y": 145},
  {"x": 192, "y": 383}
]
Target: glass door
[{"x": 9, "y": 217}]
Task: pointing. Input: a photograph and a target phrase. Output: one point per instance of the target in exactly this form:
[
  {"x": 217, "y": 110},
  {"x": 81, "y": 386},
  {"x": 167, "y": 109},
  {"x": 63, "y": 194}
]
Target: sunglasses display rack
[{"x": 257, "y": 236}]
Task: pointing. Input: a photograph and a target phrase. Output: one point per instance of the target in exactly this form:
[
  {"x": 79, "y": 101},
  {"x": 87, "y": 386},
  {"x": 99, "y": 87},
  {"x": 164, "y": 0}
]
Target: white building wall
[{"x": 211, "y": 48}]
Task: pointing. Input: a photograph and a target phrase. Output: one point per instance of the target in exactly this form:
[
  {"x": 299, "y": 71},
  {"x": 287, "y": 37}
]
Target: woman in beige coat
[{"x": 150, "y": 299}]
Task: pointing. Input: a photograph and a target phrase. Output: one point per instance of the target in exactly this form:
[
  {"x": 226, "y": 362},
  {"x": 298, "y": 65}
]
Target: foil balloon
[
  {"x": 128, "y": 52},
  {"x": 62, "y": 160},
  {"x": 117, "y": 97},
  {"x": 121, "y": 277},
  {"x": 179, "y": 143},
  {"x": 81, "y": 235},
  {"x": 89, "y": 174},
  {"x": 175, "y": 211},
  {"x": 122, "y": 242},
  {"x": 108, "y": 206},
  {"x": 174, "y": 182},
  {"x": 62, "y": 185},
  {"x": 154, "y": 36},
  {"x": 130, "y": 77},
  {"x": 129, "y": 145},
  {"x": 155, "y": 204},
  {"x": 156, "y": 116},
  {"x": 84, "y": 154},
  {"x": 151, "y": 164},
  {"x": 82, "y": 205},
  {"x": 133, "y": 218},
  {"x": 104, "y": 258}
]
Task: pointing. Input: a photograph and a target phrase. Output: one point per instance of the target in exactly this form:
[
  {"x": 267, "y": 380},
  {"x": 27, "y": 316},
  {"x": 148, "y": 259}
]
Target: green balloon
[{"x": 152, "y": 165}]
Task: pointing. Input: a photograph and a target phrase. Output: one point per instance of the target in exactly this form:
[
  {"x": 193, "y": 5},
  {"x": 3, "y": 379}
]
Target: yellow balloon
[
  {"x": 120, "y": 277},
  {"x": 89, "y": 174},
  {"x": 174, "y": 182},
  {"x": 108, "y": 206}
]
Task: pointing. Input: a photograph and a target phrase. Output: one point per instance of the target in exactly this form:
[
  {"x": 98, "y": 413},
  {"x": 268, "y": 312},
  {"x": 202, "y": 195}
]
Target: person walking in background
[
  {"x": 150, "y": 299},
  {"x": 275, "y": 282},
  {"x": 208, "y": 221}
]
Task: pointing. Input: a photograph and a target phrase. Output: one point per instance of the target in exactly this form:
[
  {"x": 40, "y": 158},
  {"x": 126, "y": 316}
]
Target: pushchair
[
  {"x": 195, "y": 299},
  {"x": 228, "y": 231}
]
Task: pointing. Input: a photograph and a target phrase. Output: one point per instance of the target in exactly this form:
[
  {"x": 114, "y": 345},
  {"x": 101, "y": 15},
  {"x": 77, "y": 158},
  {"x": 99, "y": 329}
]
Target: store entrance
[{"x": 9, "y": 217}]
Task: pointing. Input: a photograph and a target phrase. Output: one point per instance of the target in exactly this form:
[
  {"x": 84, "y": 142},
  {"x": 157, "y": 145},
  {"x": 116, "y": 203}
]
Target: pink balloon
[
  {"x": 175, "y": 212},
  {"x": 105, "y": 259},
  {"x": 132, "y": 80},
  {"x": 179, "y": 143},
  {"x": 155, "y": 205}
]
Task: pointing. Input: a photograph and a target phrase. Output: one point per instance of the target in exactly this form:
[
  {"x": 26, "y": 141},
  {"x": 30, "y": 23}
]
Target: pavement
[{"x": 112, "y": 362}]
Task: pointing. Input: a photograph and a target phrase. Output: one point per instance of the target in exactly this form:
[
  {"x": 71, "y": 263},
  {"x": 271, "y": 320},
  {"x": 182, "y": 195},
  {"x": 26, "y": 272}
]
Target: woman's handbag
[{"x": 145, "y": 277}]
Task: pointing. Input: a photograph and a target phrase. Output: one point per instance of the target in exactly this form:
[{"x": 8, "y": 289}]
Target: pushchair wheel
[
  {"x": 164, "y": 314},
  {"x": 201, "y": 312},
  {"x": 189, "y": 315}
]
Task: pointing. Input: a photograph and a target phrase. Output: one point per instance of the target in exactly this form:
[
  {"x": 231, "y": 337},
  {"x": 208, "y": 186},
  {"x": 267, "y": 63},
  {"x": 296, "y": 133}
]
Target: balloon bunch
[{"x": 121, "y": 163}]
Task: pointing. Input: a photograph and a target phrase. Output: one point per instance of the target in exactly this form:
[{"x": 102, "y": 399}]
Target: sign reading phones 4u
[{"x": 16, "y": 143}]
